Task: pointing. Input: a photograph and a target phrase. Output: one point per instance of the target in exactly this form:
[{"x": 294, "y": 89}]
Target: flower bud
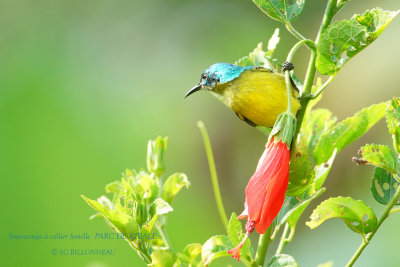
[
  {"x": 284, "y": 128},
  {"x": 155, "y": 155},
  {"x": 140, "y": 213}
]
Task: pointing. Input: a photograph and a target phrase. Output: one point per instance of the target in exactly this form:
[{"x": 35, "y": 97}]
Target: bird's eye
[
  {"x": 203, "y": 76},
  {"x": 215, "y": 79}
]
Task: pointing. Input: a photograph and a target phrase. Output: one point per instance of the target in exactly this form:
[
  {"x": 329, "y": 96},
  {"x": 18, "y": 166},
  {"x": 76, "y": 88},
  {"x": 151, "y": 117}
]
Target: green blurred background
[{"x": 85, "y": 84}]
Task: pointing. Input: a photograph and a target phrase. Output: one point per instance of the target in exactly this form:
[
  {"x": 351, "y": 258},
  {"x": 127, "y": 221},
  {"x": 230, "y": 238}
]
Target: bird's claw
[{"x": 287, "y": 66}]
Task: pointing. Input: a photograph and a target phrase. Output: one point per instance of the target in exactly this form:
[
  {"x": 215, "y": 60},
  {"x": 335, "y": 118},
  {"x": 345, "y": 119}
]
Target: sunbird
[{"x": 257, "y": 95}]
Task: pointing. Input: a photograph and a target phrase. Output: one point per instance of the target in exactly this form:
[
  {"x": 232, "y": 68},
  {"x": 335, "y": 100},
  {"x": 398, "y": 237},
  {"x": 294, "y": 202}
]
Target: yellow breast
[{"x": 259, "y": 95}]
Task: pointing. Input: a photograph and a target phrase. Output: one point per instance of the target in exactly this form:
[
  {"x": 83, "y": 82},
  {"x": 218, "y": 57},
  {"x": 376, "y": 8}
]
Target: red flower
[{"x": 266, "y": 189}]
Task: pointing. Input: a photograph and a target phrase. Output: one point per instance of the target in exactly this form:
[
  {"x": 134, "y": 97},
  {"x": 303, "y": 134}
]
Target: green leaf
[
  {"x": 114, "y": 187},
  {"x": 294, "y": 214},
  {"x": 281, "y": 10},
  {"x": 259, "y": 57},
  {"x": 236, "y": 235},
  {"x": 282, "y": 260},
  {"x": 301, "y": 171},
  {"x": 384, "y": 186},
  {"x": 317, "y": 122},
  {"x": 144, "y": 244},
  {"x": 393, "y": 122},
  {"x": 380, "y": 156},
  {"x": 322, "y": 171},
  {"x": 375, "y": 20},
  {"x": 162, "y": 207},
  {"x": 191, "y": 254},
  {"x": 145, "y": 186},
  {"x": 356, "y": 215},
  {"x": 347, "y": 131},
  {"x": 129, "y": 174},
  {"x": 215, "y": 247},
  {"x": 294, "y": 206},
  {"x": 255, "y": 58},
  {"x": 344, "y": 39},
  {"x": 173, "y": 185},
  {"x": 103, "y": 200},
  {"x": 126, "y": 194},
  {"x": 118, "y": 218},
  {"x": 163, "y": 258},
  {"x": 148, "y": 228}
]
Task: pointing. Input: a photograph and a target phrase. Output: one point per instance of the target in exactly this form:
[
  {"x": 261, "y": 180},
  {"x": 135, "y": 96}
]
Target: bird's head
[{"x": 211, "y": 77}]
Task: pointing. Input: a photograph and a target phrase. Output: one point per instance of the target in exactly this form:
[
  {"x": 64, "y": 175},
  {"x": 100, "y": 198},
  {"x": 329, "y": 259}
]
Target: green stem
[
  {"x": 292, "y": 51},
  {"x": 308, "y": 82},
  {"x": 394, "y": 211},
  {"x": 369, "y": 236},
  {"x": 285, "y": 238},
  {"x": 330, "y": 10},
  {"x": 310, "y": 74},
  {"x": 213, "y": 173},
  {"x": 305, "y": 97},
  {"x": 293, "y": 31},
  {"x": 144, "y": 255},
  {"x": 311, "y": 70},
  {"x": 263, "y": 243},
  {"x": 275, "y": 232},
  {"x": 164, "y": 236},
  {"x": 289, "y": 58},
  {"x": 323, "y": 87},
  {"x": 289, "y": 93},
  {"x": 329, "y": 13}
]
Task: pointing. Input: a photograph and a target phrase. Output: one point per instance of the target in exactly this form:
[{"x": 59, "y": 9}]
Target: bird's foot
[{"x": 287, "y": 66}]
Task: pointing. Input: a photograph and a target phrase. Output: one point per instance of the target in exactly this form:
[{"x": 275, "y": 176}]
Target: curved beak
[{"x": 193, "y": 90}]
